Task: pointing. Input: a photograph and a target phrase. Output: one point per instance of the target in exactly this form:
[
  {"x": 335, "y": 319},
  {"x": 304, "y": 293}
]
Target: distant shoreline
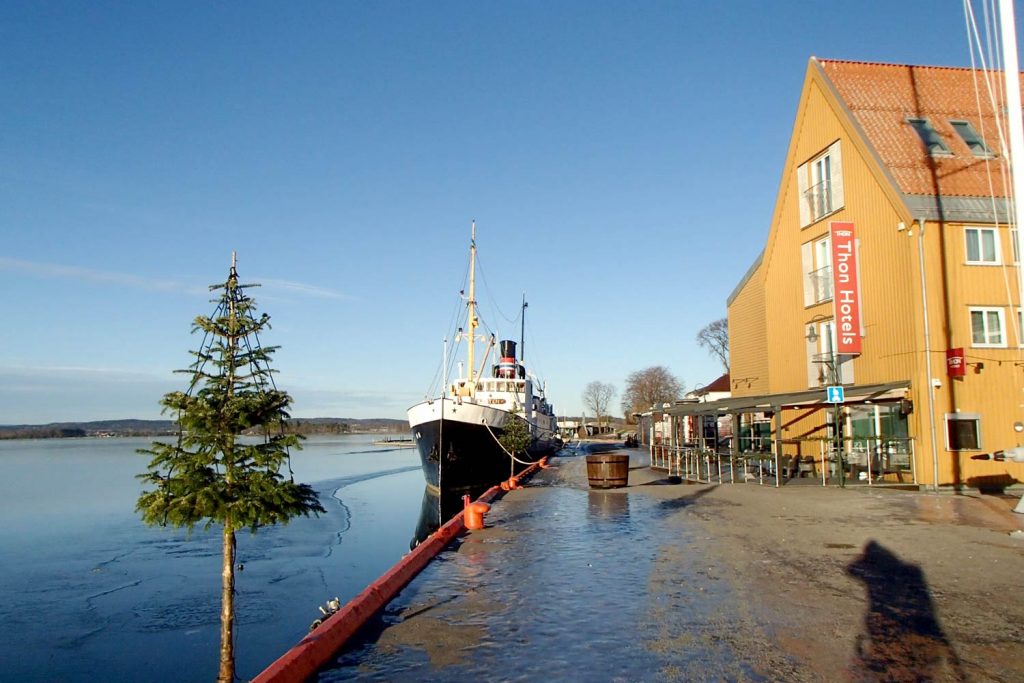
[{"x": 150, "y": 428}]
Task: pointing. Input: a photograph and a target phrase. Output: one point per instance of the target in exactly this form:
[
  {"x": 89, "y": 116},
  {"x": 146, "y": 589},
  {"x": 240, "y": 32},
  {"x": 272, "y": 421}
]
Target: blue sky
[{"x": 621, "y": 160}]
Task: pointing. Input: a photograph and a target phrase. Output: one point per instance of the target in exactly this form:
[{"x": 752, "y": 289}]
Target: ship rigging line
[
  {"x": 502, "y": 447},
  {"x": 993, "y": 98},
  {"x": 490, "y": 293}
]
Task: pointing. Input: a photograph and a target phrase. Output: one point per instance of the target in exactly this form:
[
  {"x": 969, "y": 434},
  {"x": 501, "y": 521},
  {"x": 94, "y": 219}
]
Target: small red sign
[
  {"x": 846, "y": 291},
  {"x": 956, "y": 365}
]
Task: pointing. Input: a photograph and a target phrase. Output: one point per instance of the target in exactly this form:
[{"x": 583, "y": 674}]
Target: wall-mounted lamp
[
  {"x": 812, "y": 334},
  {"x": 1018, "y": 426}
]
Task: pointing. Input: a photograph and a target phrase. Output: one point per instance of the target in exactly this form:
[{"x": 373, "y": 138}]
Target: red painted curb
[{"x": 317, "y": 648}]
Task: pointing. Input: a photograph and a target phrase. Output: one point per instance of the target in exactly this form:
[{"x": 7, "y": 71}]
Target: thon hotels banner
[{"x": 846, "y": 290}]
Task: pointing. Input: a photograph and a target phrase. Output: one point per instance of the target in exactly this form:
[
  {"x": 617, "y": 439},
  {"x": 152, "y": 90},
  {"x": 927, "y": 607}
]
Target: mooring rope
[{"x": 500, "y": 445}]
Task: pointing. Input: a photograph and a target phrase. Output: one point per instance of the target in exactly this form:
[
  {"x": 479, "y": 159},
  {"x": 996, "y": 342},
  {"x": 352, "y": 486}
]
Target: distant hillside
[{"x": 315, "y": 425}]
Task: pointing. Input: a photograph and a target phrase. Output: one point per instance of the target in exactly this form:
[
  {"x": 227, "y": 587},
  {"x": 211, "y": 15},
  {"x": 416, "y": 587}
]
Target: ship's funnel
[{"x": 506, "y": 367}]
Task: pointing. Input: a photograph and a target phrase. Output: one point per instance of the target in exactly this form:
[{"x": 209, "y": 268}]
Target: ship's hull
[{"x": 459, "y": 447}]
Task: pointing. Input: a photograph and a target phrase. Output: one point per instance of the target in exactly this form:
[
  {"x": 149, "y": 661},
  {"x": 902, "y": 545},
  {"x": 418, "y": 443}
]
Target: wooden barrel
[{"x": 608, "y": 470}]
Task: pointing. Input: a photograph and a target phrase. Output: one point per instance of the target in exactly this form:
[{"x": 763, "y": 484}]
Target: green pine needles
[
  {"x": 226, "y": 466},
  {"x": 515, "y": 435}
]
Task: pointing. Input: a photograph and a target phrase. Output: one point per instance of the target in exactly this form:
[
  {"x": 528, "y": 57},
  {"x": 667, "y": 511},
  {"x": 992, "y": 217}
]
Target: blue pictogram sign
[{"x": 835, "y": 394}]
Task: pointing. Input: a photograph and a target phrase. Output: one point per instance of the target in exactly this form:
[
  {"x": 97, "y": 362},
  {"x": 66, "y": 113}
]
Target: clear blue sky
[{"x": 621, "y": 160}]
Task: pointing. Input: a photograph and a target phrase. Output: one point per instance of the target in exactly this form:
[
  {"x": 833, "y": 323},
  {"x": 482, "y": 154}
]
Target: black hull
[
  {"x": 435, "y": 511},
  {"x": 473, "y": 459}
]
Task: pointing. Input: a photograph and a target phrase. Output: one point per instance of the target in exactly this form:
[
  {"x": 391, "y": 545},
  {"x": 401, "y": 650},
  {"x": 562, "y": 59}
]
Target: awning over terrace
[{"x": 891, "y": 391}]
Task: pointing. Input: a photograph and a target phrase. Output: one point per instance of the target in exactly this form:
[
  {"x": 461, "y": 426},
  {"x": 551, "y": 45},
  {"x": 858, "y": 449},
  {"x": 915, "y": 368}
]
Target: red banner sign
[
  {"x": 956, "y": 364},
  {"x": 846, "y": 291}
]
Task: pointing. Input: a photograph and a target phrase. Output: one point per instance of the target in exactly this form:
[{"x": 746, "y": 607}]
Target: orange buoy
[{"x": 473, "y": 516}]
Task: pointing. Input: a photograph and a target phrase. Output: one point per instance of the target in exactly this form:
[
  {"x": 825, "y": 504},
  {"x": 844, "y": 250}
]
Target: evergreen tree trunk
[
  {"x": 227, "y": 609},
  {"x": 207, "y": 475}
]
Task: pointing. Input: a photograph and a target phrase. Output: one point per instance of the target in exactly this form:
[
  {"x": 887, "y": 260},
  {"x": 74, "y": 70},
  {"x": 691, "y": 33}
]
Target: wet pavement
[
  {"x": 569, "y": 583},
  {"x": 668, "y": 581}
]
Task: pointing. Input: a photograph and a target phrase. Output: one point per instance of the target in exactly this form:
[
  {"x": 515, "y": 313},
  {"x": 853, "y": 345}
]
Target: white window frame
[
  {"x": 982, "y": 261},
  {"x": 824, "y": 349},
  {"x": 1015, "y": 245},
  {"x": 821, "y": 176},
  {"x": 1000, "y": 316},
  {"x": 964, "y": 417},
  {"x": 816, "y": 263}
]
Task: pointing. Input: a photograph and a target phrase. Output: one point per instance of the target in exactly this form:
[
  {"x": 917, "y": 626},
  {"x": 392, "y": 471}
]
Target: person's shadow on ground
[{"x": 902, "y": 638}]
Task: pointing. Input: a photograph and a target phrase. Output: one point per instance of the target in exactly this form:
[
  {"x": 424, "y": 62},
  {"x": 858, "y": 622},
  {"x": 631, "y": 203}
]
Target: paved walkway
[{"x": 662, "y": 581}]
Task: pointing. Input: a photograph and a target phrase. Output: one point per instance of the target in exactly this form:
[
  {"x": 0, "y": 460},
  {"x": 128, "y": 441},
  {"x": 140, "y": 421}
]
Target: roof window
[
  {"x": 970, "y": 136},
  {"x": 932, "y": 142}
]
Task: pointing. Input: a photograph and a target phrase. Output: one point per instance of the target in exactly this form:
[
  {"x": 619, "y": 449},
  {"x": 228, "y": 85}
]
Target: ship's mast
[
  {"x": 1014, "y": 117},
  {"x": 471, "y": 304},
  {"x": 522, "y": 330}
]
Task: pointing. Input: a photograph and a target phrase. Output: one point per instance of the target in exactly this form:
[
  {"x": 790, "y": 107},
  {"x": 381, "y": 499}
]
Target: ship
[{"x": 459, "y": 433}]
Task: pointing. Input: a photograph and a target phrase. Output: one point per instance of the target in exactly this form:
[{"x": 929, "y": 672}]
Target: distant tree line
[
  {"x": 41, "y": 433},
  {"x": 308, "y": 427},
  {"x": 304, "y": 427}
]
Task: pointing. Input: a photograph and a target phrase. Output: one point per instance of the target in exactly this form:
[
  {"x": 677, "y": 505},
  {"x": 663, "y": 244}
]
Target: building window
[
  {"x": 970, "y": 136},
  {"x": 987, "y": 327},
  {"x": 820, "y": 182},
  {"x": 824, "y": 366},
  {"x": 963, "y": 432},
  {"x": 930, "y": 137},
  {"x": 817, "y": 267},
  {"x": 982, "y": 246},
  {"x": 1015, "y": 245}
]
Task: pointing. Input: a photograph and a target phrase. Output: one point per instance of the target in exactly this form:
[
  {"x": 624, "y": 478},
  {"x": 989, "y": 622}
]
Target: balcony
[
  {"x": 820, "y": 282},
  {"x": 819, "y": 199}
]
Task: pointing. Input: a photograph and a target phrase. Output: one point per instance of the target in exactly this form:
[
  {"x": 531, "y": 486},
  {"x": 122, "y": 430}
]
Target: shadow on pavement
[
  {"x": 686, "y": 501},
  {"x": 902, "y": 638}
]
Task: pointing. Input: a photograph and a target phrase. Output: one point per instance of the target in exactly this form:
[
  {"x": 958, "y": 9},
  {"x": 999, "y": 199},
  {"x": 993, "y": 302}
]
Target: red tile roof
[
  {"x": 882, "y": 97},
  {"x": 720, "y": 384}
]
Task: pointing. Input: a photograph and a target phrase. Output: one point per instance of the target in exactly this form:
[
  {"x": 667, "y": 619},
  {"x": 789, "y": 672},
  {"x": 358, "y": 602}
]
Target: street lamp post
[{"x": 831, "y": 366}]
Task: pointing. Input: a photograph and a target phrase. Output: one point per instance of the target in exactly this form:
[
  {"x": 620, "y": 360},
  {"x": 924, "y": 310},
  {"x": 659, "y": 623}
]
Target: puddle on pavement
[
  {"x": 595, "y": 586},
  {"x": 956, "y": 510}
]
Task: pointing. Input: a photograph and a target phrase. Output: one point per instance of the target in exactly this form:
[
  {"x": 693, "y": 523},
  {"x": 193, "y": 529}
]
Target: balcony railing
[
  {"x": 819, "y": 199},
  {"x": 821, "y": 284}
]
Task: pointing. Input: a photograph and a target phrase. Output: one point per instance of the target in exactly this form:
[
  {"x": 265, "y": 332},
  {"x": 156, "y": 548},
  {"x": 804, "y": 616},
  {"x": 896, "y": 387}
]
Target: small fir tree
[
  {"x": 208, "y": 476},
  {"x": 515, "y": 437}
]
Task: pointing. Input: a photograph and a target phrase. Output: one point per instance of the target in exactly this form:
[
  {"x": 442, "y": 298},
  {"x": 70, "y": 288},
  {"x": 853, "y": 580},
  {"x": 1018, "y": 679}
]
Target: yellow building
[{"x": 892, "y": 213}]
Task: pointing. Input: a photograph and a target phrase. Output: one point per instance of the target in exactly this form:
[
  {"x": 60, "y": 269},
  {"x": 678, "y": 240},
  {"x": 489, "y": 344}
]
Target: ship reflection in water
[{"x": 436, "y": 510}]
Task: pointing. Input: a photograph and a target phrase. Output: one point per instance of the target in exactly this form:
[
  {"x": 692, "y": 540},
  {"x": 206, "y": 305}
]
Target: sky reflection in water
[{"x": 87, "y": 590}]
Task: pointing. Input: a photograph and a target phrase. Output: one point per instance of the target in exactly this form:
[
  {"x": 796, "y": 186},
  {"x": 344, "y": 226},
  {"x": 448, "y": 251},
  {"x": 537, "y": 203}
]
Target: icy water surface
[
  {"x": 88, "y": 592},
  {"x": 566, "y": 585}
]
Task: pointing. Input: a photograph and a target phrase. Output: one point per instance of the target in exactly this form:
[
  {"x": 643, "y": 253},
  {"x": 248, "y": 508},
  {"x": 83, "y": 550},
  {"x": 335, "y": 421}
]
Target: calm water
[{"x": 88, "y": 592}]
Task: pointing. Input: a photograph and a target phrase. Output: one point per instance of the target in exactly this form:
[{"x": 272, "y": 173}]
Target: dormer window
[
  {"x": 971, "y": 138},
  {"x": 930, "y": 137}
]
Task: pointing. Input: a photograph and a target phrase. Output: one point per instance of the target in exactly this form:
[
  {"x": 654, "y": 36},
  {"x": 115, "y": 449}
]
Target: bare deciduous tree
[
  {"x": 715, "y": 338},
  {"x": 644, "y": 388},
  {"x": 596, "y": 397}
]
